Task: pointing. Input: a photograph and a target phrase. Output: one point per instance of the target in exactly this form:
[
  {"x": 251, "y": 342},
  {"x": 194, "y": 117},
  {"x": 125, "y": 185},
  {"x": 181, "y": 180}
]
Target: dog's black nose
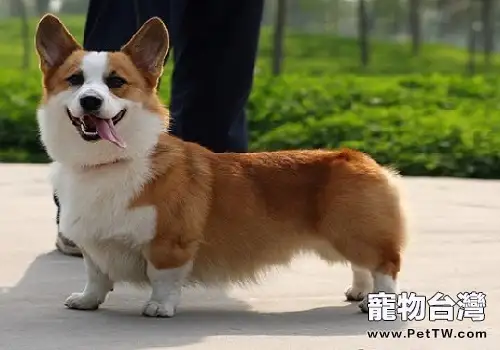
[{"x": 90, "y": 103}]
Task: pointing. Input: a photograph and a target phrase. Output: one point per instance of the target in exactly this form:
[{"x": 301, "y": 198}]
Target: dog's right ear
[{"x": 53, "y": 42}]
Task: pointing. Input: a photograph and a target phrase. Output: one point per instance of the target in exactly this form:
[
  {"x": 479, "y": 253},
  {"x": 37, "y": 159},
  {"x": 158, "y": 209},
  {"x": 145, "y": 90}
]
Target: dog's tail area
[{"x": 396, "y": 184}]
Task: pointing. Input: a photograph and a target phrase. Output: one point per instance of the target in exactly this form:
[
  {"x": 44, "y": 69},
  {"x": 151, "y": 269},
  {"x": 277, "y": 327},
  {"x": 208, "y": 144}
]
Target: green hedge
[
  {"x": 19, "y": 96},
  {"x": 424, "y": 125}
]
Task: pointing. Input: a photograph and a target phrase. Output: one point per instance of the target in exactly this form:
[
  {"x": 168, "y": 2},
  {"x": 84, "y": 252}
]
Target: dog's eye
[
  {"x": 75, "y": 79},
  {"x": 115, "y": 82}
]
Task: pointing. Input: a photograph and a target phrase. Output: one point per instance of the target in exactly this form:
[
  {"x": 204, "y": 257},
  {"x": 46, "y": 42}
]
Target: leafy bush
[
  {"x": 19, "y": 97},
  {"x": 423, "y": 125}
]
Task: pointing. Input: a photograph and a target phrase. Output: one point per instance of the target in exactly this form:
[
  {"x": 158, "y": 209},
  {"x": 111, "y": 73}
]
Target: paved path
[{"x": 456, "y": 247}]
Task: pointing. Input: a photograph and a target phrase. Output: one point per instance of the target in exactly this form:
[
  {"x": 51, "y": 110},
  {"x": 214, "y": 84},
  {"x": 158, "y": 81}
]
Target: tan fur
[{"x": 238, "y": 214}]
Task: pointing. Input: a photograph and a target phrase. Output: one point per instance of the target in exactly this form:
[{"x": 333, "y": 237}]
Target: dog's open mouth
[{"x": 94, "y": 128}]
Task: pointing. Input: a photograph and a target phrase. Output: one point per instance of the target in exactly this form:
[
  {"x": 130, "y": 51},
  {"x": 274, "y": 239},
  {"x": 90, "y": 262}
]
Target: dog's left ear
[
  {"x": 148, "y": 48},
  {"x": 53, "y": 42}
]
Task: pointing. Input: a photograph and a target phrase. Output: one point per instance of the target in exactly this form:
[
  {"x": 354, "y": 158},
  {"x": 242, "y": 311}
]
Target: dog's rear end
[
  {"x": 249, "y": 212},
  {"x": 341, "y": 205}
]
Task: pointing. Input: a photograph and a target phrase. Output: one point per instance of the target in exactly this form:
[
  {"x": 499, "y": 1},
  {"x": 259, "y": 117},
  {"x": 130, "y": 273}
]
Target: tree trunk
[
  {"x": 442, "y": 7},
  {"x": 279, "y": 37},
  {"x": 474, "y": 32},
  {"x": 14, "y": 8},
  {"x": 488, "y": 26},
  {"x": 415, "y": 26},
  {"x": 363, "y": 33},
  {"x": 396, "y": 19},
  {"x": 336, "y": 16},
  {"x": 42, "y": 7},
  {"x": 25, "y": 34}
]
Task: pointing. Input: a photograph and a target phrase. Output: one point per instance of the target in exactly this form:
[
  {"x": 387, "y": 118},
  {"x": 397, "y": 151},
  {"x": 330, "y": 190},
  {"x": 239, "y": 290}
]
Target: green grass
[{"x": 423, "y": 114}]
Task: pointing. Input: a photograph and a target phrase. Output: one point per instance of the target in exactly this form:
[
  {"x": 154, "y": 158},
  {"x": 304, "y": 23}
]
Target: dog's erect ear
[
  {"x": 53, "y": 42},
  {"x": 148, "y": 47}
]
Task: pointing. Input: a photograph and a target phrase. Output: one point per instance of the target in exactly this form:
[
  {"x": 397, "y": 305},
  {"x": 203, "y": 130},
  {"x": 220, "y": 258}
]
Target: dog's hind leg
[
  {"x": 365, "y": 222},
  {"x": 362, "y": 284}
]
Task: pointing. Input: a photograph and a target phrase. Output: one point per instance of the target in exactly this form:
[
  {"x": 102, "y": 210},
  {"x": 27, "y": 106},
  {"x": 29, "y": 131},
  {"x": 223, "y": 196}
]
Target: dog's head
[{"x": 100, "y": 107}]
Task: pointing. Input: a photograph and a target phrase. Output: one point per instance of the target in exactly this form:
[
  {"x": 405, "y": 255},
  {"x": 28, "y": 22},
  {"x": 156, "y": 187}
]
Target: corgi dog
[{"x": 150, "y": 209}]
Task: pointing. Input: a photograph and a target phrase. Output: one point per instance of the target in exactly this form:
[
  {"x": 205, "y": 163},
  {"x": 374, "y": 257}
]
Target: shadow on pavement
[{"x": 33, "y": 315}]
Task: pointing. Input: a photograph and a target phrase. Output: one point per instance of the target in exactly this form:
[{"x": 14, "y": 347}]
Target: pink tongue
[{"x": 106, "y": 130}]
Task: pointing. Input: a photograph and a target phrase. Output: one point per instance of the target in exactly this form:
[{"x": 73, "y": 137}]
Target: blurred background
[{"x": 412, "y": 82}]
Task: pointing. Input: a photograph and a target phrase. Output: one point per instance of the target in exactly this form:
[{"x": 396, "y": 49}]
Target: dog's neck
[{"x": 90, "y": 167}]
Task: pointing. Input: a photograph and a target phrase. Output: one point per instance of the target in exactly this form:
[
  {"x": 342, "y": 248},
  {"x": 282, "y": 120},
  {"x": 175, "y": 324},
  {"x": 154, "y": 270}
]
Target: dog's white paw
[
  {"x": 364, "y": 305},
  {"x": 356, "y": 293},
  {"x": 82, "y": 301},
  {"x": 156, "y": 309}
]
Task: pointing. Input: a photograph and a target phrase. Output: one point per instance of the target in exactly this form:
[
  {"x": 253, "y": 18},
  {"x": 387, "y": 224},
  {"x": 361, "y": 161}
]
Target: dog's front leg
[
  {"x": 96, "y": 289},
  {"x": 166, "y": 290}
]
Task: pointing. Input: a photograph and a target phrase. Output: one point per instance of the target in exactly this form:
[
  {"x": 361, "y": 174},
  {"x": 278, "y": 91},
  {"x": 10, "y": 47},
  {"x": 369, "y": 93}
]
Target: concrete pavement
[{"x": 455, "y": 248}]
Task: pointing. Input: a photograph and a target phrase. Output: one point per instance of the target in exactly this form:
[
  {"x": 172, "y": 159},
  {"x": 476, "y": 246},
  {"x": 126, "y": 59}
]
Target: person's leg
[
  {"x": 214, "y": 49},
  {"x": 110, "y": 24}
]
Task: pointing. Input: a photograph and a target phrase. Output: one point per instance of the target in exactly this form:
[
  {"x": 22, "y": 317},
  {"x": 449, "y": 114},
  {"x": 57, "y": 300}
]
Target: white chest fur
[{"x": 96, "y": 215}]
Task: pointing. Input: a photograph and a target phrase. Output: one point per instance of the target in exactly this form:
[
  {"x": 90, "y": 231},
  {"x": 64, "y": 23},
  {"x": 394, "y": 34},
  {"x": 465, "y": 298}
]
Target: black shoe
[{"x": 66, "y": 246}]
